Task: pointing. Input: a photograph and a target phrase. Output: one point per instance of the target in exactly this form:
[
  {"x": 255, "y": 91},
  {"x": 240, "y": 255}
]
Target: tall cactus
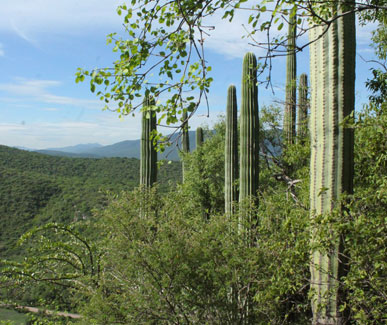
[
  {"x": 185, "y": 138},
  {"x": 249, "y": 129},
  {"x": 332, "y": 67},
  {"x": 291, "y": 86},
  {"x": 302, "y": 114},
  {"x": 199, "y": 137},
  {"x": 231, "y": 151},
  {"x": 148, "y": 166}
]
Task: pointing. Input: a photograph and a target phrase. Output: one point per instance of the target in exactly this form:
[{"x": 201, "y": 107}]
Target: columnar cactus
[
  {"x": 249, "y": 129},
  {"x": 291, "y": 86},
  {"x": 231, "y": 151},
  {"x": 199, "y": 137},
  {"x": 332, "y": 68},
  {"x": 302, "y": 114},
  {"x": 148, "y": 166},
  {"x": 185, "y": 137}
]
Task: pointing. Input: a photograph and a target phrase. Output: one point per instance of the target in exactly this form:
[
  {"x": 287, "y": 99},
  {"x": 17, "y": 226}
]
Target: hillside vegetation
[{"x": 36, "y": 188}]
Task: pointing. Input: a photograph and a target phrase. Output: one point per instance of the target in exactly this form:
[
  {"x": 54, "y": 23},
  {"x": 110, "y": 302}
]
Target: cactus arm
[{"x": 231, "y": 151}]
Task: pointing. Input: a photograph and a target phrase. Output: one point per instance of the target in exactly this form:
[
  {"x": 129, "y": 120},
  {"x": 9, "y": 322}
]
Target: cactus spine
[
  {"x": 291, "y": 87},
  {"x": 302, "y": 114},
  {"x": 148, "y": 166},
  {"x": 332, "y": 66},
  {"x": 199, "y": 137},
  {"x": 249, "y": 127},
  {"x": 231, "y": 151},
  {"x": 185, "y": 137}
]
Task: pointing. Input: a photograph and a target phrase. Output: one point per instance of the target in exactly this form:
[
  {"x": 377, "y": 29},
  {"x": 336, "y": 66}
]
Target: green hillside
[{"x": 36, "y": 188}]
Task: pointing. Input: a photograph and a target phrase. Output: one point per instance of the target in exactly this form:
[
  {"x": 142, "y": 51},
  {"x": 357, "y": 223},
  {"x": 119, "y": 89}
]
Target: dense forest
[
  {"x": 36, "y": 189},
  {"x": 271, "y": 220}
]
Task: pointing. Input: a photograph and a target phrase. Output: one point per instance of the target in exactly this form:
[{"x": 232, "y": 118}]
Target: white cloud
[
  {"x": 50, "y": 109},
  {"x": 102, "y": 127},
  {"x": 366, "y": 50},
  {"x": 227, "y": 39},
  {"x": 5, "y": 128},
  {"x": 38, "y": 90},
  {"x": 364, "y": 33},
  {"x": 230, "y": 38},
  {"x": 26, "y": 87},
  {"x": 22, "y": 34},
  {"x": 63, "y": 100},
  {"x": 28, "y": 19},
  {"x": 40, "y": 135},
  {"x": 28, "y": 16}
]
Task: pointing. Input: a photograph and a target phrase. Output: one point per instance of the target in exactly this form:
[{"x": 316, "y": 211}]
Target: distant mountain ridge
[
  {"x": 58, "y": 153},
  {"x": 79, "y": 148},
  {"x": 123, "y": 149}
]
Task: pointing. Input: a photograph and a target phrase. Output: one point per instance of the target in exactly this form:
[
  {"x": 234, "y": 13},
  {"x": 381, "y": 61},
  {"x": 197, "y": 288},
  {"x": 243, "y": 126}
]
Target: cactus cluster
[
  {"x": 332, "y": 79},
  {"x": 331, "y": 166},
  {"x": 332, "y": 68},
  {"x": 290, "y": 113},
  {"x": 148, "y": 153},
  {"x": 248, "y": 170}
]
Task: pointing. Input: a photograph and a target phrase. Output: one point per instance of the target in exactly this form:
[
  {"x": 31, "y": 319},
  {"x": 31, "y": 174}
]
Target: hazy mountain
[
  {"x": 24, "y": 148},
  {"x": 79, "y": 148},
  {"x": 127, "y": 149}
]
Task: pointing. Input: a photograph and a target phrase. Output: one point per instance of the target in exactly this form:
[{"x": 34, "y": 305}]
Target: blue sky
[{"x": 43, "y": 42}]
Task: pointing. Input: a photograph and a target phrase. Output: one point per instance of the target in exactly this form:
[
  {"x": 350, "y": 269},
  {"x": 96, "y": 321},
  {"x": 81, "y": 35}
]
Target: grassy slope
[{"x": 14, "y": 316}]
